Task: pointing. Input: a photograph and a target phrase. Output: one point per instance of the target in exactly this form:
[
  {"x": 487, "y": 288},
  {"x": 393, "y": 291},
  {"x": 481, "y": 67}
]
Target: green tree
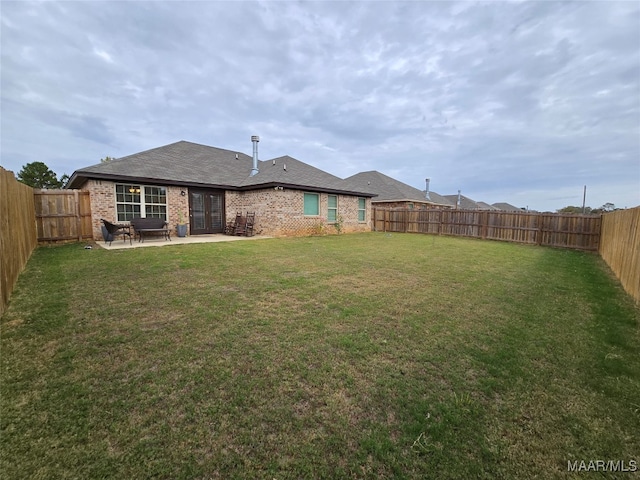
[
  {"x": 106, "y": 159},
  {"x": 607, "y": 207},
  {"x": 572, "y": 209},
  {"x": 38, "y": 175}
]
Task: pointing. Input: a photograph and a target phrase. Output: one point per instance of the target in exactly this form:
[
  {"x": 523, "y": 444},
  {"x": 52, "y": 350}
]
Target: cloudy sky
[{"x": 519, "y": 102}]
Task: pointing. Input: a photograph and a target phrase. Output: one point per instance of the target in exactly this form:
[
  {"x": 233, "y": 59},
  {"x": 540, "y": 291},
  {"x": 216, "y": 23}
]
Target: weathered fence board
[
  {"x": 548, "y": 229},
  {"x": 63, "y": 215},
  {"x": 17, "y": 232},
  {"x": 620, "y": 247}
]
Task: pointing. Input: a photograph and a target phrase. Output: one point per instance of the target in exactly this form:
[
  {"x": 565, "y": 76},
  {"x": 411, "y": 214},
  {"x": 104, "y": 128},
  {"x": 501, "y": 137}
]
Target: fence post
[
  {"x": 540, "y": 231},
  {"x": 483, "y": 224},
  {"x": 76, "y": 200}
]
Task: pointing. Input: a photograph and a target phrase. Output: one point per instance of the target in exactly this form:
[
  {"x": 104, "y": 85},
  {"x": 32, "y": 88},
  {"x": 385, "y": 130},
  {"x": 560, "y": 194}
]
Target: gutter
[{"x": 77, "y": 180}]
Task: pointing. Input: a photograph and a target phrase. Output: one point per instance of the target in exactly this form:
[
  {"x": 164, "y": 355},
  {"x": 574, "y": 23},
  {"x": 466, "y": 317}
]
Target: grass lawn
[{"x": 355, "y": 356}]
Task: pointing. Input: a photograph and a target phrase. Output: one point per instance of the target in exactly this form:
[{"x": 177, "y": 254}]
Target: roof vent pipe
[
  {"x": 255, "y": 139},
  {"x": 427, "y": 180}
]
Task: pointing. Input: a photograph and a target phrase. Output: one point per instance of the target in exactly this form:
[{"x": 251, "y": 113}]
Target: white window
[
  {"x": 140, "y": 201},
  {"x": 362, "y": 209},
  {"x": 332, "y": 208}
]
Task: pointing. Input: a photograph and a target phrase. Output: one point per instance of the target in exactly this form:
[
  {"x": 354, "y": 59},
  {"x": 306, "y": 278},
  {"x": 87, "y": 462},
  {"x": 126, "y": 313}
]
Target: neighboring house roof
[
  {"x": 507, "y": 207},
  {"x": 193, "y": 164},
  {"x": 389, "y": 189},
  {"x": 485, "y": 206},
  {"x": 437, "y": 198},
  {"x": 465, "y": 202}
]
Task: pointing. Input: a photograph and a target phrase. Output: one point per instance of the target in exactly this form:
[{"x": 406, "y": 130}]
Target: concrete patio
[{"x": 119, "y": 244}]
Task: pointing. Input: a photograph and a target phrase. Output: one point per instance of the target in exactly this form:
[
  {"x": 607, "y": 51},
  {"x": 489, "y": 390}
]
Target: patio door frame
[{"x": 209, "y": 220}]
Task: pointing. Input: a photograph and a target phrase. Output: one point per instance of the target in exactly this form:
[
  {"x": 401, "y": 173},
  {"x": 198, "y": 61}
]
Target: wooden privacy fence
[
  {"x": 17, "y": 232},
  {"x": 548, "y": 229},
  {"x": 62, "y": 215},
  {"x": 620, "y": 247}
]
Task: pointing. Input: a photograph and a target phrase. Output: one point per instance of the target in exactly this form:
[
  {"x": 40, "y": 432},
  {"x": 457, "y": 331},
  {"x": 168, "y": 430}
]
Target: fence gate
[{"x": 63, "y": 216}]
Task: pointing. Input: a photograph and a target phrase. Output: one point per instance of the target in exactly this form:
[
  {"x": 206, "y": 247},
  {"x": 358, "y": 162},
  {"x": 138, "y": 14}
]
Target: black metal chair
[
  {"x": 105, "y": 234},
  {"x": 116, "y": 230}
]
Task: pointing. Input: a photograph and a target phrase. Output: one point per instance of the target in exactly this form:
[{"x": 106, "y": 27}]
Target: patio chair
[
  {"x": 105, "y": 234},
  {"x": 231, "y": 227},
  {"x": 251, "y": 220},
  {"x": 246, "y": 227},
  {"x": 116, "y": 230}
]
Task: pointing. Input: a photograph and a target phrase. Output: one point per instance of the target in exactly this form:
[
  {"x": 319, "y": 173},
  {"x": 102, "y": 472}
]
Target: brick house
[
  {"x": 205, "y": 186},
  {"x": 392, "y": 193}
]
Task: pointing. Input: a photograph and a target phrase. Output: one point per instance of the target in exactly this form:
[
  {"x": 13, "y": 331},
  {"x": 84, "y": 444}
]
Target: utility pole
[{"x": 584, "y": 199}]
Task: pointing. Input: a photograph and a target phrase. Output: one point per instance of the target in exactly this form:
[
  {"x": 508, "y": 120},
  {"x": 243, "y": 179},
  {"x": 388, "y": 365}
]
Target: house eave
[
  {"x": 79, "y": 179},
  {"x": 308, "y": 188}
]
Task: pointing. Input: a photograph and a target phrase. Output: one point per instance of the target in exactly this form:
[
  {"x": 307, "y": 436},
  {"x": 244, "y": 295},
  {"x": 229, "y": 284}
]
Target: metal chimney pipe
[
  {"x": 255, "y": 139},
  {"x": 427, "y": 180}
]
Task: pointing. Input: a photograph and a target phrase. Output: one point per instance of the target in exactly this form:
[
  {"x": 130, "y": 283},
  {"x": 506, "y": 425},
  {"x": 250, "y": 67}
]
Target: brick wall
[
  {"x": 178, "y": 206},
  {"x": 103, "y": 204},
  {"x": 278, "y": 212},
  {"x": 281, "y": 212}
]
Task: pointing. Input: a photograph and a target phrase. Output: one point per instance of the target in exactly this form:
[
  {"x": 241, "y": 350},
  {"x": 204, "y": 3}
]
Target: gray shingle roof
[
  {"x": 485, "y": 206},
  {"x": 180, "y": 163},
  {"x": 297, "y": 173},
  {"x": 389, "y": 189},
  {"x": 439, "y": 199},
  {"x": 507, "y": 207},
  {"x": 187, "y": 163},
  {"x": 465, "y": 202}
]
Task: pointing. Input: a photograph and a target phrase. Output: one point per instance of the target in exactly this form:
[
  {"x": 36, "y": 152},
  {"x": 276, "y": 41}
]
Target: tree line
[
  {"x": 607, "y": 207},
  {"x": 39, "y": 175}
]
